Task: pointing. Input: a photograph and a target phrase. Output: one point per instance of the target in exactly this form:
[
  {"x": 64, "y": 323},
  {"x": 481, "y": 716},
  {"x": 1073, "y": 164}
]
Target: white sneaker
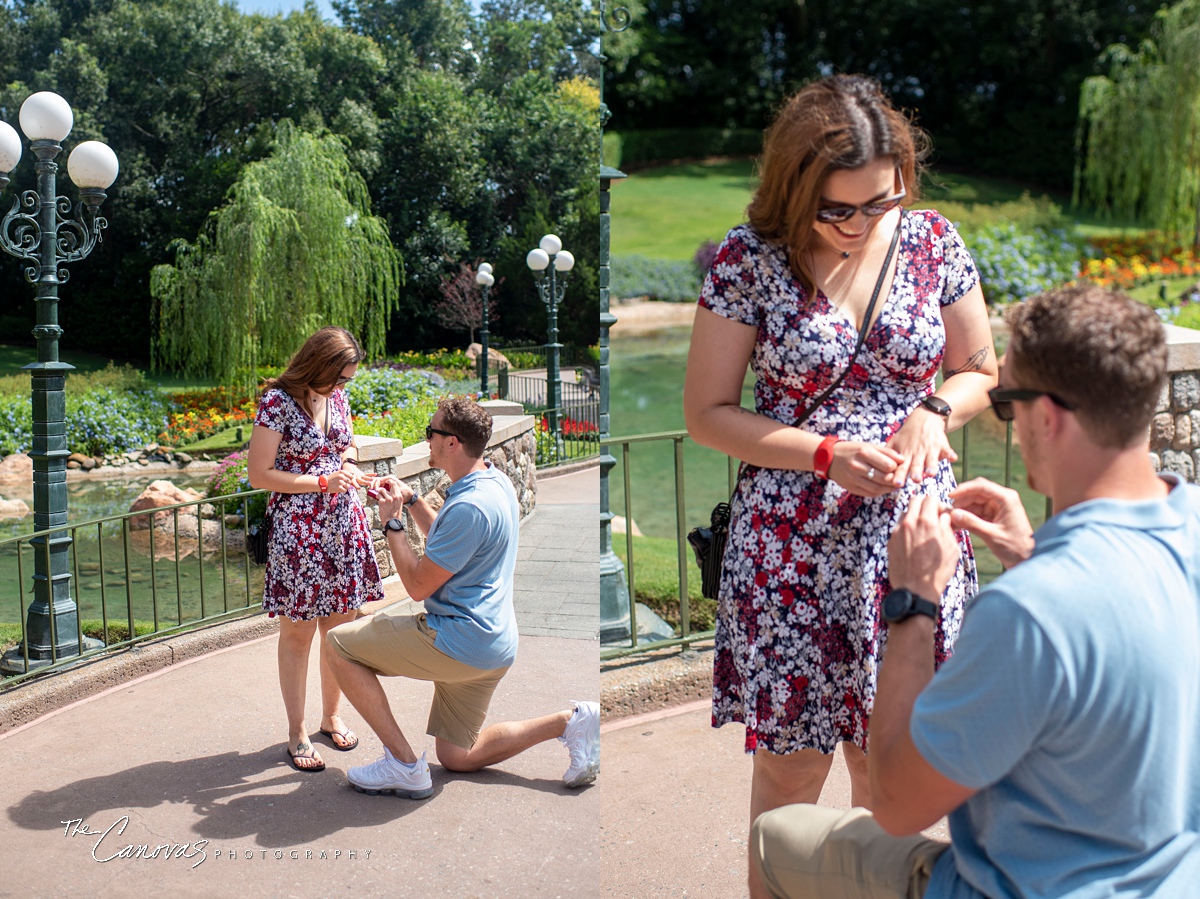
[
  {"x": 387, "y": 774},
  {"x": 582, "y": 739}
]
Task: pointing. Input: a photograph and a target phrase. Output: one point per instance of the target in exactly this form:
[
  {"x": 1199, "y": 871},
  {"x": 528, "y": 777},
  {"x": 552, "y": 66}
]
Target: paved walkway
[
  {"x": 676, "y": 796},
  {"x": 191, "y": 758}
]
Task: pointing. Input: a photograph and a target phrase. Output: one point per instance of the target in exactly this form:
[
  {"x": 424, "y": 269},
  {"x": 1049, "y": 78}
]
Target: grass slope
[{"x": 667, "y": 212}]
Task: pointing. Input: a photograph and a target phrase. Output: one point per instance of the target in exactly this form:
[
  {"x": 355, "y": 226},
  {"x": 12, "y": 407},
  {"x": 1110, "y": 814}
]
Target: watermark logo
[{"x": 111, "y": 844}]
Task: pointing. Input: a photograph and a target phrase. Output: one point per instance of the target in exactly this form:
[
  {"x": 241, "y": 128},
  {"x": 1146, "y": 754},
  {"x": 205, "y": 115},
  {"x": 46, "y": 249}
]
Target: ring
[{"x": 870, "y": 474}]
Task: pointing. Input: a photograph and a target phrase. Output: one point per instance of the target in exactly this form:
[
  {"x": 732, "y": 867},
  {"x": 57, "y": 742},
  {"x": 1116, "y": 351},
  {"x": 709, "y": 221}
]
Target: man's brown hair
[
  {"x": 318, "y": 364},
  {"x": 840, "y": 122},
  {"x": 468, "y": 421},
  {"x": 1098, "y": 349}
]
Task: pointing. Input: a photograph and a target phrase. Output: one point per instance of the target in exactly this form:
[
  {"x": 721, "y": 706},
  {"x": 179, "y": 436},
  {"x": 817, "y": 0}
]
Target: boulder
[
  {"x": 157, "y": 495},
  {"x": 619, "y": 526},
  {"x": 16, "y": 469},
  {"x": 13, "y": 508},
  {"x": 495, "y": 357}
]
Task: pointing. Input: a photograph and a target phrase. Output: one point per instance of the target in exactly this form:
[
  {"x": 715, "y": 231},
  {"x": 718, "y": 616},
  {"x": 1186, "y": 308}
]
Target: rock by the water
[
  {"x": 13, "y": 508},
  {"x": 158, "y": 494},
  {"x": 16, "y": 468}
]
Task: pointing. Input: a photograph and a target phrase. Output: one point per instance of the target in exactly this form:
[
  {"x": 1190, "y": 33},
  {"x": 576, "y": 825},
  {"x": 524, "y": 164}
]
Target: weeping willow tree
[
  {"x": 295, "y": 248},
  {"x": 1139, "y": 142}
]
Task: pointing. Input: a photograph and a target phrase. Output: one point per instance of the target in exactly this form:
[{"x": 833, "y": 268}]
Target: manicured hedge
[{"x": 632, "y": 148}]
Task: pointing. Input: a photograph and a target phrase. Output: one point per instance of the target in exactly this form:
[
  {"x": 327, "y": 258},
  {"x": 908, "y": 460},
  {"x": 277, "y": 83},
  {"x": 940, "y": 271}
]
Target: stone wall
[
  {"x": 1175, "y": 431},
  {"x": 513, "y": 449}
]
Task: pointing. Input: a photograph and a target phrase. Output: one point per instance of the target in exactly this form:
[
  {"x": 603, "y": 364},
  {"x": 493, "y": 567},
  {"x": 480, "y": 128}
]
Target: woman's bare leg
[
  {"x": 295, "y": 641},
  {"x": 331, "y": 693},
  {"x": 860, "y": 784},
  {"x": 783, "y": 780}
]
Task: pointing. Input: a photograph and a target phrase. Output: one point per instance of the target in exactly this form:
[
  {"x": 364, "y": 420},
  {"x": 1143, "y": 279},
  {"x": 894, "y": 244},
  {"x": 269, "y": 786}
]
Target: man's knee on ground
[{"x": 453, "y": 757}]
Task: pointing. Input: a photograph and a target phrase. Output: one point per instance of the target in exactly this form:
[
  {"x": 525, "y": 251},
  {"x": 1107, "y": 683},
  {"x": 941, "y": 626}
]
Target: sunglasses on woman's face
[
  {"x": 832, "y": 214},
  {"x": 1003, "y": 398},
  {"x": 343, "y": 380}
]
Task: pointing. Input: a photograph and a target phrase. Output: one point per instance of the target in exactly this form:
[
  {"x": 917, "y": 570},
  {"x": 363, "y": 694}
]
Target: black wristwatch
[
  {"x": 937, "y": 405},
  {"x": 412, "y": 499},
  {"x": 900, "y": 605},
  {"x": 394, "y": 524}
]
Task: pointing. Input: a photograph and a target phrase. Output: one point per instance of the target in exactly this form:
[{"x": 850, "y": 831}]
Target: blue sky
[{"x": 284, "y": 6}]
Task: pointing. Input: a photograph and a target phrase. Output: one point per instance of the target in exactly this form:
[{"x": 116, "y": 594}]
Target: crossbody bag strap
[
  {"x": 862, "y": 337},
  {"x": 307, "y": 466}
]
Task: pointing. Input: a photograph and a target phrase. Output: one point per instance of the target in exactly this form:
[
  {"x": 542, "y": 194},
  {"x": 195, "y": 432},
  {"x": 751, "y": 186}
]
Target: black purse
[
  {"x": 258, "y": 539},
  {"x": 708, "y": 543}
]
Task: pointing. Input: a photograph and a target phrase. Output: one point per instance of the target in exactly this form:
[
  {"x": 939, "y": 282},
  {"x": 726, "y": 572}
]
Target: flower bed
[
  {"x": 1129, "y": 262},
  {"x": 202, "y": 413}
]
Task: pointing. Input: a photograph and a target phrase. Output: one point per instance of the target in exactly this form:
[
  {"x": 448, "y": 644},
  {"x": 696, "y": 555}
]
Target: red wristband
[
  {"x": 823, "y": 457},
  {"x": 323, "y": 483}
]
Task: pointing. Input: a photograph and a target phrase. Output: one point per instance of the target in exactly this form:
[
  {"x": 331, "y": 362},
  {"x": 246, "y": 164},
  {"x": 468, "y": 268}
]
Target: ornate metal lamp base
[{"x": 13, "y": 661}]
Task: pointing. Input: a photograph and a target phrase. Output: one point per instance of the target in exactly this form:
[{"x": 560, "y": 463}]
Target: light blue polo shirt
[
  {"x": 1072, "y": 704},
  {"x": 474, "y": 536}
]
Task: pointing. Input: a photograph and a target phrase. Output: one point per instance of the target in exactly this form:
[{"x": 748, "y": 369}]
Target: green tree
[
  {"x": 996, "y": 83},
  {"x": 296, "y": 248},
  {"x": 1140, "y": 127},
  {"x": 187, "y": 92},
  {"x": 431, "y": 34}
]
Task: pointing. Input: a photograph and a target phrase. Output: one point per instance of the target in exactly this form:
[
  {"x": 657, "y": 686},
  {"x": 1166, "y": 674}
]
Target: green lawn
[
  {"x": 667, "y": 212},
  {"x": 12, "y": 358}
]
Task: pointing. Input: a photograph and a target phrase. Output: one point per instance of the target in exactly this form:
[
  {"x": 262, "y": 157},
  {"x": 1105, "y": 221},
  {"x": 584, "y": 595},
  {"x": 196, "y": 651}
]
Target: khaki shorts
[
  {"x": 810, "y": 852},
  {"x": 398, "y": 642}
]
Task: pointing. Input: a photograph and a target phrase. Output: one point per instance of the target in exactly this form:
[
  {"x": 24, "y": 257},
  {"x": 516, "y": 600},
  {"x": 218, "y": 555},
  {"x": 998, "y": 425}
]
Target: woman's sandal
[
  {"x": 349, "y": 739},
  {"x": 305, "y": 751}
]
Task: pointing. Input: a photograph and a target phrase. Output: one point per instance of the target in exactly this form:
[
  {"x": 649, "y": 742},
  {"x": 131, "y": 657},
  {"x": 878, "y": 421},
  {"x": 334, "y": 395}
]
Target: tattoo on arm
[{"x": 974, "y": 363}]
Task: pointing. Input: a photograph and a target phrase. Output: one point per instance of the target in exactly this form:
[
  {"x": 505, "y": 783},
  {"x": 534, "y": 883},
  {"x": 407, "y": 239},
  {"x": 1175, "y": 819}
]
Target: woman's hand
[
  {"x": 922, "y": 442},
  {"x": 340, "y": 481},
  {"x": 865, "y": 469}
]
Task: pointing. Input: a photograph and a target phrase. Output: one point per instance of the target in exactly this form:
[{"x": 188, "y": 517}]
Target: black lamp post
[
  {"x": 485, "y": 279},
  {"x": 616, "y": 623},
  {"x": 550, "y": 255},
  {"x": 39, "y": 230}
]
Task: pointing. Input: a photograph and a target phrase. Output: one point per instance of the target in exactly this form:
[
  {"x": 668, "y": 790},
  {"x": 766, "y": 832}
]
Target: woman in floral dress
[
  {"x": 799, "y": 637},
  {"x": 321, "y": 560}
]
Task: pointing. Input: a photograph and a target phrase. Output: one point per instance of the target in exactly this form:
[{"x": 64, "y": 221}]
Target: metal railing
[
  {"x": 529, "y": 387},
  {"x": 159, "y": 590},
  {"x": 568, "y": 355},
  {"x": 686, "y": 563},
  {"x": 579, "y": 423}
]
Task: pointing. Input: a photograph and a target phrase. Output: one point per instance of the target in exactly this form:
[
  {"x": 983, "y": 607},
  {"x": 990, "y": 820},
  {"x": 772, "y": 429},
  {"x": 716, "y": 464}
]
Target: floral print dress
[
  {"x": 799, "y": 637},
  {"x": 321, "y": 559}
]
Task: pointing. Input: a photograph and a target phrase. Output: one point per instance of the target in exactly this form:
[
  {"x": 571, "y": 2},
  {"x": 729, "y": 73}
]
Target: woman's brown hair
[
  {"x": 318, "y": 364},
  {"x": 839, "y": 122}
]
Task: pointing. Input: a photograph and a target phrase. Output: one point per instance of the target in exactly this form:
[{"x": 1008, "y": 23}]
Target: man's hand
[
  {"x": 995, "y": 514},
  {"x": 922, "y": 553},
  {"x": 393, "y": 494}
]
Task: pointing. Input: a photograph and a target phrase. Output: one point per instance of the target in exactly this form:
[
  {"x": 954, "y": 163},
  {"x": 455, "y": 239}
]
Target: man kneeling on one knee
[
  {"x": 1063, "y": 736},
  {"x": 458, "y": 630}
]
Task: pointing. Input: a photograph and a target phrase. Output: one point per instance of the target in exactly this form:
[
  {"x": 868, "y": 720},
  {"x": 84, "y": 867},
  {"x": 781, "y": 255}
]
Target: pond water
[
  {"x": 647, "y": 372},
  {"x": 197, "y": 585}
]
